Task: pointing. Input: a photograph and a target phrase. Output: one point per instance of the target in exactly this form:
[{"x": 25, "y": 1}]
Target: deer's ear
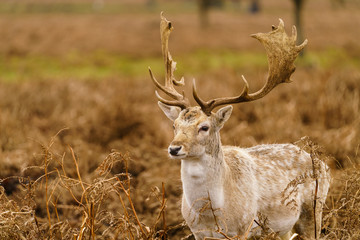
[
  {"x": 222, "y": 115},
  {"x": 172, "y": 112}
]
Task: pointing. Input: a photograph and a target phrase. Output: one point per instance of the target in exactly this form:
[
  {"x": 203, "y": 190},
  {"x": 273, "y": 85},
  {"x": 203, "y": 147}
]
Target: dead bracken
[{"x": 117, "y": 112}]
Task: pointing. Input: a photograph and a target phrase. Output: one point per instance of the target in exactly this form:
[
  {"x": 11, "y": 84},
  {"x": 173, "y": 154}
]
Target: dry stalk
[
  {"x": 46, "y": 189},
  {"x": 218, "y": 228},
  {"x": 47, "y": 158},
  {"x": 317, "y": 155},
  {"x": 127, "y": 193},
  {"x": 79, "y": 176},
  {"x": 92, "y": 221},
  {"x": 162, "y": 211},
  {"x": 316, "y": 176},
  {"x": 161, "y": 216}
]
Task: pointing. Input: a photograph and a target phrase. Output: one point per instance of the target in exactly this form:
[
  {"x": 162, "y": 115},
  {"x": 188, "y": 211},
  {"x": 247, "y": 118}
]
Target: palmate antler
[
  {"x": 170, "y": 66},
  {"x": 281, "y": 51}
]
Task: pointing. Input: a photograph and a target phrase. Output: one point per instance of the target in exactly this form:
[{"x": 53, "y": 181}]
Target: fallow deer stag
[{"x": 227, "y": 189}]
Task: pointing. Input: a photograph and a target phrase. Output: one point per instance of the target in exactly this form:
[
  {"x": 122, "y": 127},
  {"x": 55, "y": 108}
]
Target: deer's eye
[{"x": 204, "y": 128}]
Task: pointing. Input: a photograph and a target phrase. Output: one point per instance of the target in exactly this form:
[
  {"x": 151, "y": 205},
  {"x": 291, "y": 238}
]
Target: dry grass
[
  {"x": 74, "y": 208},
  {"x": 52, "y": 190},
  {"x": 102, "y": 174},
  {"x": 342, "y": 218}
]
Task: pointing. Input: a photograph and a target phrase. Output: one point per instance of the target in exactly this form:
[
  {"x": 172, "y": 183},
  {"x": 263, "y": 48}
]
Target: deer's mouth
[{"x": 178, "y": 156}]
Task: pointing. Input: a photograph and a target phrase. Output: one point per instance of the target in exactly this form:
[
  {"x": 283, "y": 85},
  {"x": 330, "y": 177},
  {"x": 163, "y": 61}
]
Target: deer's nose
[{"x": 174, "y": 150}]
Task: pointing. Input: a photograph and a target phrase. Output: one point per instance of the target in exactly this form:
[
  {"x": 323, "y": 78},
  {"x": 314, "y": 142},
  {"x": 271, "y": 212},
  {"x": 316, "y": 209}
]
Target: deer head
[{"x": 197, "y": 128}]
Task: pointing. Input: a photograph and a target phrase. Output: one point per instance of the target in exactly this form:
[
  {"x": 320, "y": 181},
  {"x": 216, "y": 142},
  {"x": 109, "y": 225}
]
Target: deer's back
[
  {"x": 270, "y": 164},
  {"x": 276, "y": 165},
  {"x": 270, "y": 169},
  {"x": 273, "y": 166}
]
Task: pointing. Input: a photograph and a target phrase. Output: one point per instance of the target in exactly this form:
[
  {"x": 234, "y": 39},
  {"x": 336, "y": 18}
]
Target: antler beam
[
  {"x": 170, "y": 65},
  {"x": 281, "y": 52}
]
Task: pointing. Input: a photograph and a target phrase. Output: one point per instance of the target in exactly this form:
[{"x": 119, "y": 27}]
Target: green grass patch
[
  {"x": 73, "y": 66},
  {"x": 105, "y": 65},
  {"x": 204, "y": 60},
  {"x": 102, "y": 65},
  {"x": 334, "y": 58}
]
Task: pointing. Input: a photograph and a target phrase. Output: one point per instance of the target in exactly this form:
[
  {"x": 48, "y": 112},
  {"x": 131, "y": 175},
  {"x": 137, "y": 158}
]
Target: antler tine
[
  {"x": 170, "y": 66},
  {"x": 281, "y": 52},
  {"x": 180, "y": 104},
  {"x": 204, "y": 105},
  {"x": 208, "y": 106}
]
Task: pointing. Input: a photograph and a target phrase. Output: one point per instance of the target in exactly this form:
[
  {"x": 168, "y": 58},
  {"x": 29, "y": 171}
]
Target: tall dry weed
[
  {"x": 57, "y": 205},
  {"x": 342, "y": 221},
  {"x": 104, "y": 115}
]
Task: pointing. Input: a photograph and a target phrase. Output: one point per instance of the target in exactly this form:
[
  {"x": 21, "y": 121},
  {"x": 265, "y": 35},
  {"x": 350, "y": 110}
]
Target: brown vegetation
[
  {"x": 85, "y": 159},
  {"x": 104, "y": 115}
]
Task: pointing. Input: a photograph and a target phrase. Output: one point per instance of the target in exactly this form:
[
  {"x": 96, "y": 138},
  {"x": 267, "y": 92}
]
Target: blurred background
[
  {"x": 107, "y": 38},
  {"x": 81, "y": 67}
]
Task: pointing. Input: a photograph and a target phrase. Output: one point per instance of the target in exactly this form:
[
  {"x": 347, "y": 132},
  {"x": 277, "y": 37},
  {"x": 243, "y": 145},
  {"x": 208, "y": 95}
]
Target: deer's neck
[{"x": 203, "y": 178}]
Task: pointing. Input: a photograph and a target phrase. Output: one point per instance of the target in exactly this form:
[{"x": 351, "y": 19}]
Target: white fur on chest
[{"x": 199, "y": 184}]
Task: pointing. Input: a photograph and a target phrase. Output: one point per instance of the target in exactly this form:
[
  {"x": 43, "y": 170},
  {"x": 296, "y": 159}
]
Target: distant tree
[
  {"x": 298, "y": 7},
  {"x": 204, "y": 7},
  {"x": 298, "y": 18},
  {"x": 254, "y": 6}
]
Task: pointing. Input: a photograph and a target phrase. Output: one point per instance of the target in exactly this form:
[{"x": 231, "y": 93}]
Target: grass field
[{"x": 83, "y": 144}]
